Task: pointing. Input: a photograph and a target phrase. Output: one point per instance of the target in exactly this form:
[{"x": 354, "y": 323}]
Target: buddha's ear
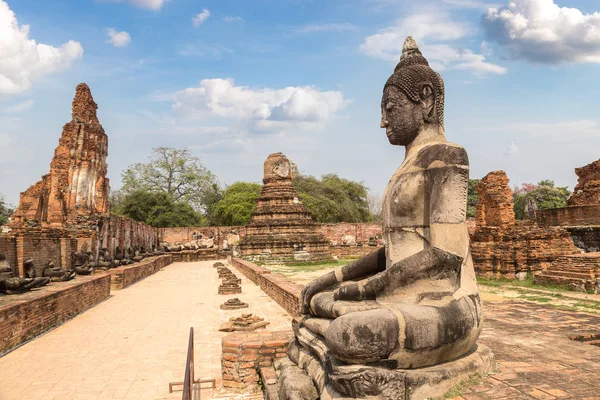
[{"x": 428, "y": 102}]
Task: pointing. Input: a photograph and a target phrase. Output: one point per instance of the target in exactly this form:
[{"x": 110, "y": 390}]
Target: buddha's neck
[{"x": 430, "y": 135}]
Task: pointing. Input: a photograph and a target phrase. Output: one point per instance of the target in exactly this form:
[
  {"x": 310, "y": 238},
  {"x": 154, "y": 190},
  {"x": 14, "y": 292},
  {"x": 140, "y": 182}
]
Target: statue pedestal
[{"x": 310, "y": 369}]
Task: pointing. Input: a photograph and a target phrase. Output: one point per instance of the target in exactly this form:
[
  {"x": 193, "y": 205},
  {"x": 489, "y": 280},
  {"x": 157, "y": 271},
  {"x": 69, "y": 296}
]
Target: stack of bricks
[
  {"x": 244, "y": 353},
  {"x": 502, "y": 246},
  {"x": 230, "y": 284}
]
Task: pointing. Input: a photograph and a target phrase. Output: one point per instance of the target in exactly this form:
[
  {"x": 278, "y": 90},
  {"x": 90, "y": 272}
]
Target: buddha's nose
[{"x": 384, "y": 122}]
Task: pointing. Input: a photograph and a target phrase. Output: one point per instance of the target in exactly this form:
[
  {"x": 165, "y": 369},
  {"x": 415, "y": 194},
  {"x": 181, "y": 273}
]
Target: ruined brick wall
[
  {"x": 570, "y": 216},
  {"x": 347, "y": 240},
  {"x": 41, "y": 250},
  {"x": 120, "y": 234},
  {"x": 502, "y": 246},
  {"x": 587, "y": 190},
  {"x": 285, "y": 292},
  {"x": 28, "y": 315},
  {"x": 122, "y": 277},
  {"x": 8, "y": 246},
  {"x": 495, "y": 205},
  {"x": 524, "y": 247},
  {"x": 243, "y": 353},
  {"x": 76, "y": 185},
  {"x": 188, "y": 234}
]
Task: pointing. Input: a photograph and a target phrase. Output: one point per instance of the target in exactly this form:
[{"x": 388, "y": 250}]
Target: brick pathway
[
  {"x": 133, "y": 344},
  {"x": 536, "y": 357}
]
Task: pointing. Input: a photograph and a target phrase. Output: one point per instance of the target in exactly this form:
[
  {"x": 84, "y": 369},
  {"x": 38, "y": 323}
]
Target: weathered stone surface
[
  {"x": 500, "y": 245},
  {"x": 587, "y": 190},
  {"x": 233, "y": 304},
  {"x": 246, "y": 322},
  {"x": 413, "y": 304},
  {"x": 281, "y": 228},
  {"x": 495, "y": 206},
  {"x": 76, "y": 185}
]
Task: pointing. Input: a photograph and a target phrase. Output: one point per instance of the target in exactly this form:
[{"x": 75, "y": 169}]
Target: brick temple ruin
[
  {"x": 503, "y": 246},
  {"x": 281, "y": 228},
  {"x": 68, "y": 210},
  {"x": 581, "y": 218}
]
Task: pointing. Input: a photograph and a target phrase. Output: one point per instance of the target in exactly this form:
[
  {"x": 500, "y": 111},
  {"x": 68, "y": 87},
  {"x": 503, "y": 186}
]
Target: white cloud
[
  {"x": 541, "y": 31},
  {"x": 19, "y": 107},
  {"x": 200, "y": 18},
  {"x": 340, "y": 27},
  {"x": 470, "y": 4},
  {"x": 430, "y": 30},
  {"x": 148, "y": 4},
  {"x": 22, "y": 60},
  {"x": 260, "y": 110},
  {"x": 233, "y": 19},
  {"x": 118, "y": 39}
]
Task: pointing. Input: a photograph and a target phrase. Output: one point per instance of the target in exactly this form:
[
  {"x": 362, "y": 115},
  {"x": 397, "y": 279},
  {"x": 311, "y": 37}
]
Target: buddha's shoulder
[{"x": 442, "y": 154}]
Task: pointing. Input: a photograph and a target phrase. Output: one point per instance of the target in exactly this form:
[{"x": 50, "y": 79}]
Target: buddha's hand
[
  {"x": 348, "y": 291},
  {"x": 312, "y": 288}
]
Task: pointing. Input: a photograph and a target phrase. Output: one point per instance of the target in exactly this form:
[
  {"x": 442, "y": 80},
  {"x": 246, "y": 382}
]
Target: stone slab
[
  {"x": 27, "y": 315},
  {"x": 127, "y": 275}
]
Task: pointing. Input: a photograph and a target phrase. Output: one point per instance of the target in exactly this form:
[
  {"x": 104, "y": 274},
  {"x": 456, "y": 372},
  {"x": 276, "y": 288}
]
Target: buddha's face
[{"x": 401, "y": 118}]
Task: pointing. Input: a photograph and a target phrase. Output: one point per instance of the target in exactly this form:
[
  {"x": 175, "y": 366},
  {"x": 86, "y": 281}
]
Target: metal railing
[
  {"x": 191, "y": 386},
  {"x": 188, "y": 381}
]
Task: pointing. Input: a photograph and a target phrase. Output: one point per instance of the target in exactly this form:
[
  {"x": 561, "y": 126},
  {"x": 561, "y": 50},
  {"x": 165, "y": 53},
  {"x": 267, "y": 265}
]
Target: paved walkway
[{"x": 133, "y": 344}]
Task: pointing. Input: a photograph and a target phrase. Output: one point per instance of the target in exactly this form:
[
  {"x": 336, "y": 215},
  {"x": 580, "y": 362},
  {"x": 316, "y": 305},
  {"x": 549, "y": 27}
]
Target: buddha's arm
[
  {"x": 370, "y": 264},
  {"x": 448, "y": 241}
]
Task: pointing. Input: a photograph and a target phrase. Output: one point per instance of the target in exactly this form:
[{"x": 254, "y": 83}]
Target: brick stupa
[
  {"x": 282, "y": 229},
  {"x": 76, "y": 187}
]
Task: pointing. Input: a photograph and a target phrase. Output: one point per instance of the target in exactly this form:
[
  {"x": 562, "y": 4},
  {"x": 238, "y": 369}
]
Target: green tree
[
  {"x": 472, "y": 198},
  {"x": 236, "y": 205},
  {"x": 6, "y": 210},
  {"x": 333, "y": 199},
  {"x": 545, "y": 194},
  {"x": 175, "y": 172},
  {"x": 158, "y": 209}
]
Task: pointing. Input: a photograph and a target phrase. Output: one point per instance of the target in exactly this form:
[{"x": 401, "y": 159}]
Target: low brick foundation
[
  {"x": 579, "y": 272},
  {"x": 196, "y": 255},
  {"x": 244, "y": 353},
  {"x": 284, "y": 291},
  {"x": 352, "y": 251},
  {"x": 25, "y": 316},
  {"x": 127, "y": 275}
]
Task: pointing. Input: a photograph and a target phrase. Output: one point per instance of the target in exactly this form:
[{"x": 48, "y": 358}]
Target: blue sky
[{"x": 236, "y": 80}]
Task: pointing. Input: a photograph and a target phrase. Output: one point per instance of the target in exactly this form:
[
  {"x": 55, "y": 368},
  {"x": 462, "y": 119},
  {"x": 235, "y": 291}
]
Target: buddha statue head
[{"x": 413, "y": 98}]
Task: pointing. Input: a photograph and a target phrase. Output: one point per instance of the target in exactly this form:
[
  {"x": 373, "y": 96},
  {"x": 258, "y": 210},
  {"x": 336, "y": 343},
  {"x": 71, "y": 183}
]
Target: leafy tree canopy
[
  {"x": 6, "y": 210},
  {"x": 236, "y": 204},
  {"x": 175, "y": 172},
  {"x": 472, "y": 198},
  {"x": 545, "y": 195},
  {"x": 333, "y": 199},
  {"x": 158, "y": 209}
]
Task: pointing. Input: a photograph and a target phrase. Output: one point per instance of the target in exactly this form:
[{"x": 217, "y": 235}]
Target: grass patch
[
  {"x": 593, "y": 305},
  {"x": 539, "y": 299},
  {"x": 529, "y": 282},
  {"x": 323, "y": 264}
]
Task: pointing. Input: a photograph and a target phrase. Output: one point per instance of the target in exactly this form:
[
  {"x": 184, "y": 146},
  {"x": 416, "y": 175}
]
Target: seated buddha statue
[
  {"x": 57, "y": 274},
  {"x": 80, "y": 263},
  {"x": 9, "y": 284},
  {"x": 414, "y": 302}
]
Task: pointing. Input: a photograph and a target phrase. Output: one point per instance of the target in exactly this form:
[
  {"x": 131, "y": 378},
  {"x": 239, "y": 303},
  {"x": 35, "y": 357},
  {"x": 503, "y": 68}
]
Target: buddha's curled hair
[{"x": 413, "y": 72}]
